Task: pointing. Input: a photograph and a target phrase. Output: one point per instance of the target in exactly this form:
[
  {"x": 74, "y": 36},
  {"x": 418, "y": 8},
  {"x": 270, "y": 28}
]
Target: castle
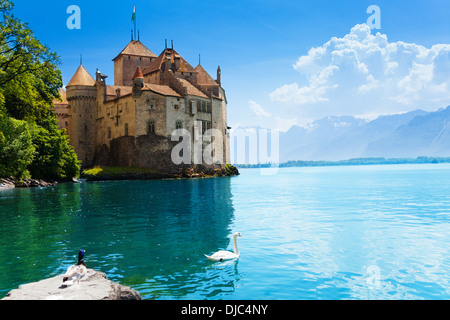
[{"x": 131, "y": 122}]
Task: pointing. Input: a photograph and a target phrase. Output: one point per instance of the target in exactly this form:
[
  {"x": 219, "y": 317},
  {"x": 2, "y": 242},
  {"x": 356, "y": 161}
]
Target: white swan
[
  {"x": 223, "y": 255},
  {"x": 77, "y": 271}
]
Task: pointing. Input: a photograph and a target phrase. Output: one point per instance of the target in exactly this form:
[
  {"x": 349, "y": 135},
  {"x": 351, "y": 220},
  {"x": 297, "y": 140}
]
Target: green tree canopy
[{"x": 29, "y": 81}]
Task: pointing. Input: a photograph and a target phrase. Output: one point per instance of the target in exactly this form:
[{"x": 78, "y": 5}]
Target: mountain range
[{"x": 408, "y": 135}]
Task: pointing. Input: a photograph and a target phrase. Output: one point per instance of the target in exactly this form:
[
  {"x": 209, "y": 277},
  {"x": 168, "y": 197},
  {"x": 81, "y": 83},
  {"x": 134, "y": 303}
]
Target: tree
[
  {"x": 29, "y": 81},
  {"x": 16, "y": 147}
]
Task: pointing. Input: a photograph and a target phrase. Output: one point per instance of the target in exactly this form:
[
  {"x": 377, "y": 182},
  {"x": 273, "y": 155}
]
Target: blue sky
[{"x": 259, "y": 45}]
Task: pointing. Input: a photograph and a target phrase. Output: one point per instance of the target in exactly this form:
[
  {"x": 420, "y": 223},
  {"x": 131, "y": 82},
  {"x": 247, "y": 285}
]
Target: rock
[
  {"x": 7, "y": 183},
  {"x": 11, "y": 183},
  {"x": 93, "y": 286}
]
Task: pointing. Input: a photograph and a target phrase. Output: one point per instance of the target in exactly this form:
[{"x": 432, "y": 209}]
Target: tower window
[
  {"x": 109, "y": 132},
  {"x": 151, "y": 127},
  {"x": 126, "y": 129},
  {"x": 178, "y": 125}
]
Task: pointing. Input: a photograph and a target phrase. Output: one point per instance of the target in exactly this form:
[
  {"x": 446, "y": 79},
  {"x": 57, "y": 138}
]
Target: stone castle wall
[{"x": 146, "y": 151}]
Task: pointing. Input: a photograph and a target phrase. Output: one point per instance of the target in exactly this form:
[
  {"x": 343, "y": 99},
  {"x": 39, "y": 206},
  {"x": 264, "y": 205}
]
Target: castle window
[
  {"x": 151, "y": 127},
  {"x": 176, "y": 106},
  {"x": 206, "y": 125},
  {"x": 178, "y": 125},
  {"x": 126, "y": 129},
  {"x": 208, "y": 107},
  {"x": 109, "y": 132}
]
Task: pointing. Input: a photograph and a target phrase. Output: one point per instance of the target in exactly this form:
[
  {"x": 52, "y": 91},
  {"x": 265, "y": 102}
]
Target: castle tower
[
  {"x": 81, "y": 95},
  {"x": 134, "y": 54},
  {"x": 138, "y": 82}
]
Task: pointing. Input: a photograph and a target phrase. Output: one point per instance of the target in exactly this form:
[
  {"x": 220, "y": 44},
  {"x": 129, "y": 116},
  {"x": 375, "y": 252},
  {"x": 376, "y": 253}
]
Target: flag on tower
[{"x": 133, "y": 17}]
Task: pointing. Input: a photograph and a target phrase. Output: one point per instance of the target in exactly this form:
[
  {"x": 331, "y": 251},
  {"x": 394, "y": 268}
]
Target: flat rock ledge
[{"x": 93, "y": 286}]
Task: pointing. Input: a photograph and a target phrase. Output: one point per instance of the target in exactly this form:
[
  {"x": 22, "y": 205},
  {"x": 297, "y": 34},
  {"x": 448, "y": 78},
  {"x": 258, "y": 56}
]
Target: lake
[{"x": 350, "y": 232}]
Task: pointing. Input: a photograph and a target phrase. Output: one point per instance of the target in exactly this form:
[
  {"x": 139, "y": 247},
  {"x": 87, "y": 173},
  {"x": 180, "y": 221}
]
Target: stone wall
[
  {"x": 146, "y": 151},
  {"x": 125, "y": 67}
]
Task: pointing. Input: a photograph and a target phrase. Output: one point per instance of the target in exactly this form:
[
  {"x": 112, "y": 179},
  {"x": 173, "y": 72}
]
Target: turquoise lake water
[{"x": 356, "y": 232}]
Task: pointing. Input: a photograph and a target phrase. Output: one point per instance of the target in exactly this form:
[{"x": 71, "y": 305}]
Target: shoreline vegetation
[
  {"x": 102, "y": 173},
  {"x": 349, "y": 162}
]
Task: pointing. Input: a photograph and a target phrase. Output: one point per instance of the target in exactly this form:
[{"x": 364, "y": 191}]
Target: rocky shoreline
[
  {"x": 183, "y": 173},
  {"x": 104, "y": 174},
  {"x": 192, "y": 172},
  {"x": 11, "y": 183}
]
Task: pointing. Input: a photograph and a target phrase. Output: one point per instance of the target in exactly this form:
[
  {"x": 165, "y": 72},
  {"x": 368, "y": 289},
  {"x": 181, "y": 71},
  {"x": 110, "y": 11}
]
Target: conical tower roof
[
  {"x": 81, "y": 78},
  {"x": 138, "y": 73}
]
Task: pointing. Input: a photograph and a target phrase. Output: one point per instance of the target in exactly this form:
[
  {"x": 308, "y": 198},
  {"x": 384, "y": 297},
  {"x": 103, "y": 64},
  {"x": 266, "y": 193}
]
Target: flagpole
[{"x": 133, "y": 18}]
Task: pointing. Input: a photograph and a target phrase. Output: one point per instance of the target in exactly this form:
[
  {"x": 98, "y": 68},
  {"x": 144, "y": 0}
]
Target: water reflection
[{"x": 151, "y": 235}]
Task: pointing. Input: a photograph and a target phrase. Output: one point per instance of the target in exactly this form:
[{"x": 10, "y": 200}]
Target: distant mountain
[
  {"x": 412, "y": 134},
  {"x": 408, "y": 135},
  {"x": 427, "y": 134}
]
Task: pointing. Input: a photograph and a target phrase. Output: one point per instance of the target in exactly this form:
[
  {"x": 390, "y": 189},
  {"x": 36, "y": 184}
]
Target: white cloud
[
  {"x": 257, "y": 109},
  {"x": 362, "y": 73}
]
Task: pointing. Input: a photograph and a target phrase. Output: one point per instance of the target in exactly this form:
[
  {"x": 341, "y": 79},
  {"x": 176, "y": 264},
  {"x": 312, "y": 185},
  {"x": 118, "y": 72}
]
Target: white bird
[
  {"x": 223, "y": 255},
  {"x": 77, "y": 271}
]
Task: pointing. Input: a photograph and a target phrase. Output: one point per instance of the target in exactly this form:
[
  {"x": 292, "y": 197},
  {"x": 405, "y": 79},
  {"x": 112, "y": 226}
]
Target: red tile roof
[
  {"x": 172, "y": 54},
  {"x": 191, "y": 89},
  {"x": 203, "y": 78},
  {"x": 161, "y": 89},
  {"x": 136, "y": 48}
]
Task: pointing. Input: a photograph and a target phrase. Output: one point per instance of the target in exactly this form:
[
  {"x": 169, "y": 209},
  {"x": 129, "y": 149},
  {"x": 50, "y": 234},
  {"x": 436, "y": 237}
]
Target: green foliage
[
  {"x": 28, "y": 65},
  {"x": 98, "y": 172},
  {"x": 16, "y": 147},
  {"x": 54, "y": 158},
  {"x": 30, "y": 140}
]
